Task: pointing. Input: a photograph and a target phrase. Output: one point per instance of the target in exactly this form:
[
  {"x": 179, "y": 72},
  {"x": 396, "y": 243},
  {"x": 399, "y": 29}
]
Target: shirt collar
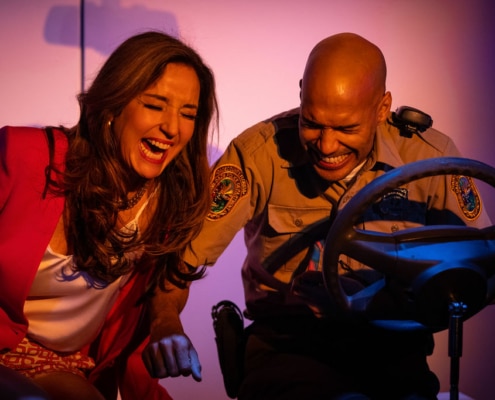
[{"x": 384, "y": 155}]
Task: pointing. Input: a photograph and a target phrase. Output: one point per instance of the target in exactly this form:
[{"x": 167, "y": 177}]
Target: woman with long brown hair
[{"x": 94, "y": 220}]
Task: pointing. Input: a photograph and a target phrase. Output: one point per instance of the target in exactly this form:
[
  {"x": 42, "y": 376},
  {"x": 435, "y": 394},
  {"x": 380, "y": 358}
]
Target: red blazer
[{"x": 27, "y": 223}]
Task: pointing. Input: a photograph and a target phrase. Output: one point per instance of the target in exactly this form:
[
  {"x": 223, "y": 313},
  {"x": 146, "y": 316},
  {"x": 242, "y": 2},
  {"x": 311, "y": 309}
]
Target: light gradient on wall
[{"x": 440, "y": 57}]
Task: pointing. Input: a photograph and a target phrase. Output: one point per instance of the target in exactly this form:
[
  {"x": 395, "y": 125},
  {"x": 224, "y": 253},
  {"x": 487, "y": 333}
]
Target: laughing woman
[{"x": 93, "y": 221}]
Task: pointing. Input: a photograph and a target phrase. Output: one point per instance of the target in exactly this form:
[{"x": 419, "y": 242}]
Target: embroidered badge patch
[
  {"x": 467, "y": 195},
  {"x": 394, "y": 203},
  {"x": 227, "y": 186}
]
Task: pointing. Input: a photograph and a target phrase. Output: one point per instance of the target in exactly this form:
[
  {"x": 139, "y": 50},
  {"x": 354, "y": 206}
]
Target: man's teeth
[{"x": 334, "y": 160}]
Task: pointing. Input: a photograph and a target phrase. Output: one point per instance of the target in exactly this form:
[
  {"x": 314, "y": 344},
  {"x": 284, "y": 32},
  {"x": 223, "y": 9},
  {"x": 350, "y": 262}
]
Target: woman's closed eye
[
  {"x": 152, "y": 106},
  {"x": 189, "y": 115}
]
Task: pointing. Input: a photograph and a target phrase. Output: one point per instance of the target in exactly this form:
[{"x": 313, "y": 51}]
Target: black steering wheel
[{"x": 419, "y": 271}]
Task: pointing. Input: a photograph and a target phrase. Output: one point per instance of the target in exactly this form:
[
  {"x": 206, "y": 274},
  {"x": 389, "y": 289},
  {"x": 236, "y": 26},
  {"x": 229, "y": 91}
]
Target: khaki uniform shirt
[{"x": 265, "y": 184}]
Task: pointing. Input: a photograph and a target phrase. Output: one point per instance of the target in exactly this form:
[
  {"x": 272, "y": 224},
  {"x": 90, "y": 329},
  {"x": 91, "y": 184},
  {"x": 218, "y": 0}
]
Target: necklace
[{"x": 129, "y": 203}]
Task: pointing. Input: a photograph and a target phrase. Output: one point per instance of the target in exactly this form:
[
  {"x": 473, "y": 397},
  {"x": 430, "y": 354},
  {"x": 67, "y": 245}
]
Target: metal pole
[
  {"x": 456, "y": 311},
  {"x": 81, "y": 42}
]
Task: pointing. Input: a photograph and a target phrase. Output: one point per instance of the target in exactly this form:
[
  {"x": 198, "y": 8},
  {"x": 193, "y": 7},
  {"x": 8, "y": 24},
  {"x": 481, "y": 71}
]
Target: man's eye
[
  {"x": 152, "y": 107},
  {"x": 309, "y": 125}
]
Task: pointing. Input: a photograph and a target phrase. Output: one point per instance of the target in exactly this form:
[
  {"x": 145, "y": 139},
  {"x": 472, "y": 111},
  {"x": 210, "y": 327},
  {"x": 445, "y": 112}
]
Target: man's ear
[
  {"x": 384, "y": 107},
  {"x": 300, "y": 88}
]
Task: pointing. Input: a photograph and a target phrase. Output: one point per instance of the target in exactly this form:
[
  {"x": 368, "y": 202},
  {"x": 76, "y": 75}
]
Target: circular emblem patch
[
  {"x": 467, "y": 195},
  {"x": 227, "y": 186}
]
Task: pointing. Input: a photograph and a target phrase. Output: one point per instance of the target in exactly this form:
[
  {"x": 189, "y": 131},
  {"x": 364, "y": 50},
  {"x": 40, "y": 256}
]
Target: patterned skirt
[{"x": 32, "y": 360}]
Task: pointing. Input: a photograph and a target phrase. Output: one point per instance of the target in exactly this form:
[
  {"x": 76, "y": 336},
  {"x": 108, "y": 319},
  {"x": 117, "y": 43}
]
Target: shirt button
[
  {"x": 298, "y": 222},
  {"x": 394, "y": 228}
]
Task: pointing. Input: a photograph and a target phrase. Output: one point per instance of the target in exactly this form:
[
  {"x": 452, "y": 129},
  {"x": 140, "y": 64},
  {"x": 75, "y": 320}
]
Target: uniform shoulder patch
[
  {"x": 228, "y": 185},
  {"x": 467, "y": 195}
]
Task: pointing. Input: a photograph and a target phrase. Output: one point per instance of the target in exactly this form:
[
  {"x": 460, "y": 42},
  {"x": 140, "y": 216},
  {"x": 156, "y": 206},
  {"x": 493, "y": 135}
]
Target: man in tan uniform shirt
[{"x": 280, "y": 181}]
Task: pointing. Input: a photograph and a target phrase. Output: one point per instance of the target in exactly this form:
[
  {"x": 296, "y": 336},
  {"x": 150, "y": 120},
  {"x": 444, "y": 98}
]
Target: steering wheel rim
[{"x": 344, "y": 238}]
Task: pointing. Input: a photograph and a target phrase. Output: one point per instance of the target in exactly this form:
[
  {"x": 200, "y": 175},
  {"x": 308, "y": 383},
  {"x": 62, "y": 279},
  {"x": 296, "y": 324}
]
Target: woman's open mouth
[{"x": 154, "y": 150}]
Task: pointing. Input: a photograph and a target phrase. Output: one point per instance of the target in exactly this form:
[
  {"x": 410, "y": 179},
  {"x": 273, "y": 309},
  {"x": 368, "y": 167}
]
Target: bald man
[
  {"x": 343, "y": 100},
  {"x": 283, "y": 180}
]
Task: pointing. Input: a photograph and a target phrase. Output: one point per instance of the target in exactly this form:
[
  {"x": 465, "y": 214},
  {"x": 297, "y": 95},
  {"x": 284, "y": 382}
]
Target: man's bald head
[{"x": 346, "y": 63}]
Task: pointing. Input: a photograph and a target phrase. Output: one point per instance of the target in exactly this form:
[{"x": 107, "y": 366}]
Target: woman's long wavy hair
[{"x": 94, "y": 179}]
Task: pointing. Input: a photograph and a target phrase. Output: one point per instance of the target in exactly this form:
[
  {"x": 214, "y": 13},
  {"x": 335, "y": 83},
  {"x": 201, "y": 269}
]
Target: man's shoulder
[
  {"x": 431, "y": 138},
  {"x": 286, "y": 120},
  {"x": 264, "y": 131}
]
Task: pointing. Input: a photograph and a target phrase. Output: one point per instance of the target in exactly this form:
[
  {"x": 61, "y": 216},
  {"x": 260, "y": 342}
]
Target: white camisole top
[{"x": 63, "y": 310}]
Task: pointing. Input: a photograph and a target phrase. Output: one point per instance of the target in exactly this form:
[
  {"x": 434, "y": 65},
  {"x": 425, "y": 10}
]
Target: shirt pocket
[
  {"x": 288, "y": 224},
  {"x": 287, "y": 220}
]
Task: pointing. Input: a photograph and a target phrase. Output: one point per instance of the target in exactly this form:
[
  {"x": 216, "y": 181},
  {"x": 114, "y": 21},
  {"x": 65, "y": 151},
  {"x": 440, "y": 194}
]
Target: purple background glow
[{"x": 441, "y": 57}]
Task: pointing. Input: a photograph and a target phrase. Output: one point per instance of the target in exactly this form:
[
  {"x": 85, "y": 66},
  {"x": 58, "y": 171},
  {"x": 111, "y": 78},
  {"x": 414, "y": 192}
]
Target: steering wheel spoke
[
  {"x": 360, "y": 301},
  {"x": 371, "y": 248}
]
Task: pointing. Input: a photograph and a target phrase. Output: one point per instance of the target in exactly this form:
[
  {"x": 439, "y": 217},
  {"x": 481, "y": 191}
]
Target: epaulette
[{"x": 410, "y": 121}]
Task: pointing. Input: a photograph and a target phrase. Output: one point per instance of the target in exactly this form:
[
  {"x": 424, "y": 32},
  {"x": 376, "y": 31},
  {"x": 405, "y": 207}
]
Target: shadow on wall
[{"x": 106, "y": 25}]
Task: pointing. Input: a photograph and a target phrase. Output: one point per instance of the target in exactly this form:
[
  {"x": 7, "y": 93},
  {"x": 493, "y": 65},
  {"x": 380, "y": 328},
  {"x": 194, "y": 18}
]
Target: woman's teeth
[
  {"x": 153, "y": 149},
  {"x": 159, "y": 145}
]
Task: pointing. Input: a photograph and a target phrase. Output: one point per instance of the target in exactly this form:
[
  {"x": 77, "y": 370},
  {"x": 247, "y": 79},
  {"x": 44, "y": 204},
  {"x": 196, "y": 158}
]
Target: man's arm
[{"x": 170, "y": 352}]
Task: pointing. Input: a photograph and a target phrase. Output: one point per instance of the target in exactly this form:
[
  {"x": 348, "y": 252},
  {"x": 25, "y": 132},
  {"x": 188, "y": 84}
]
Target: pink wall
[{"x": 441, "y": 59}]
